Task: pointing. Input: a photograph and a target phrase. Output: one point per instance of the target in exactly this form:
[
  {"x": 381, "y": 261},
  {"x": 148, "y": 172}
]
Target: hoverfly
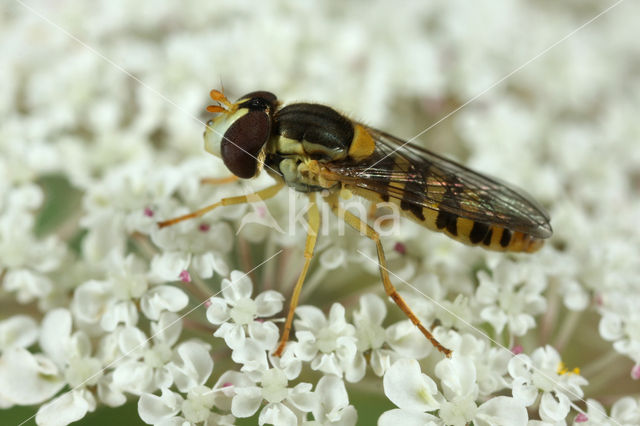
[{"x": 312, "y": 148}]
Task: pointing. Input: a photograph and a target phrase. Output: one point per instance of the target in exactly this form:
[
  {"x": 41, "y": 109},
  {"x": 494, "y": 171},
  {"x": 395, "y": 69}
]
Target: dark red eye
[{"x": 243, "y": 141}]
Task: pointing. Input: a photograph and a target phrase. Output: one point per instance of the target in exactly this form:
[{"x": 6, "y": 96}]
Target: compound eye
[{"x": 243, "y": 142}]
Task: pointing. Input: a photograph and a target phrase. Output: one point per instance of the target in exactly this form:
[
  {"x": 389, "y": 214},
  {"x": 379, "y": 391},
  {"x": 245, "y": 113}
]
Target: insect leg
[
  {"x": 364, "y": 228},
  {"x": 219, "y": 181},
  {"x": 313, "y": 217},
  {"x": 263, "y": 194}
]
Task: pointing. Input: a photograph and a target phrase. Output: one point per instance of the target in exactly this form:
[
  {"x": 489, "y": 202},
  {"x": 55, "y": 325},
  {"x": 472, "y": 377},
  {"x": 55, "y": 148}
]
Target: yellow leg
[
  {"x": 313, "y": 216},
  {"x": 357, "y": 224},
  {"x": 219, "y": 181},
  {"x": 263, "y": 194}
]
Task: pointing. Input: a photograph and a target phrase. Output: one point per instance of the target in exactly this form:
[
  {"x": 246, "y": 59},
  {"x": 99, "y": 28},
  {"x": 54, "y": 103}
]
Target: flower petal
[
  {"x": 457, "y": 376},
  {"x": 246, "y": 401},
  {"x": 371, "y": 308},
  {"x": 238, "y": 287},
  {"x": 332, "y": 397},
  {"x": 233, "y": 334},
  {"x": 67, "y": 408},
  {"x": 193, "y": 365},
  {"x": 310, "y": 318},
  {"x": 168, "y": 265},
  {"x": 397, "y": 417},
  {"x": 55, "y": 334},
  {"x": 524, "y": 391},
  {"x": 132, "y": 342},
  {"x": 163, "y": 298},
  {"x": 153, "y": 408},
  {"x": 18, "y": 331},
  {"x": 333, "y": 258},
  {"x": 218, "y": 310},
  {"x": 27, "y": 379},
  {"x": 265, "y": 333},
  {"x": 302, "y": 398},
  {"x": 407, "y": 340},
  {"x": 269, "y": 303},
  {"x": 252, "y": 357},
  {"x": 108, "y": 393},
  {"x": 406, "y": 386},
  {"x": 626, "y": 410},
  {"x": 167, "y": 329},
  {"x": 277, "y": 414},
  {"x": 89, "y": 301},
  {"x": 520, "y": 366},
  {"x": 134, "y": 377},
  {"x": 554, "y": 407},
  {"x": 501, "y": 411},
  {"x": 205, "y": 264},
  {"x": 125, "y": 313}
]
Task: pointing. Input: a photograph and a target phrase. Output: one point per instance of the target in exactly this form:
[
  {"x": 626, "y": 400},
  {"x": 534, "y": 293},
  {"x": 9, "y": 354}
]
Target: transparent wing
[{"x": 418, "y": 177}]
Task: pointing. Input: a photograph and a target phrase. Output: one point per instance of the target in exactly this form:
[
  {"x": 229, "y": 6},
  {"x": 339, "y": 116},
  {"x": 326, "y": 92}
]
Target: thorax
[{"x": 304, "y": 137}]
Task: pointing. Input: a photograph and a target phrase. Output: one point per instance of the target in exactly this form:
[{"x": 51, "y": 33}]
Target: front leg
[{"x": 263, "y": 194}]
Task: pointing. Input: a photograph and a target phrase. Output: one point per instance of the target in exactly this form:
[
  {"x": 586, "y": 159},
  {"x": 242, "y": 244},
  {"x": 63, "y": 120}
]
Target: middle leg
[
  {"x": 313, "y": 216},
  {"x": 389, "y": 288}
]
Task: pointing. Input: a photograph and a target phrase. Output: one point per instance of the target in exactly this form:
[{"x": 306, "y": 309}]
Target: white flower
[
  {"x": 91, "y": 161},
  {"x": 202, "y": 242},
  {"x": 625, "y": 411},
  {"x": 512, "y": 296},
  {"x": 115, "y": 206},
  {"x": 225, "y": 388},
  {"x": 407, "y": 340},
  {"x": 544, "y": 372},
  {"x": 620, "y": 322},
  {"x": 112, "y": 302},
  {"x": 281, "y": 400},
  {"x": 245, "y": 312},
  {"x": 192, "y": 365},
  {"x": 154, "y": 409},
  {"x": 26, "y": 378},
  {"x": 490, "y": 363},
  {"x": 169, "y": 265},
  {"x": 163, "y": 298},
  {"x": 329, "y": 343},
  {"x": 458, "y": 313},
  {"x": 371, "y": 335},
  {"x": 575, "y": 296},
  {"x": 416, "y": 394},
  {"x": 171, "y": 408},
  {"x": 501, "y": 411},
  {"x": 18, "y": 331},
  {"x": 253, "y": 357},
  {"x": 24, "y": 258},
  {"x": 27, "y": 284},
  {"x": 332, "y": 404},
  {"x": 412, "y": 391},
  {"x": 146, "y": 368},
  {"x": 69, "y": 407},
  {"x": 458, "y": 380},
  {"x": 82, "y": 369},
  {"x": 333, "y": 258},
  {"x": 95, "y": 306}
]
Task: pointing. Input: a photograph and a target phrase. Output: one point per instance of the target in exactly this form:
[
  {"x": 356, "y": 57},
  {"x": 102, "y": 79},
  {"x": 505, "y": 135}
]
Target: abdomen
[{"x": 464, "y": 230}]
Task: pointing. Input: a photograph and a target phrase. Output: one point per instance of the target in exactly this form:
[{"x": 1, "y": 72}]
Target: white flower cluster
[{"x": 101, "y": 115}]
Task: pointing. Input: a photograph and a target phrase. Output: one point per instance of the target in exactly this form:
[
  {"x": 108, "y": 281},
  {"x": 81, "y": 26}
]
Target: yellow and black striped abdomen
[
  {"x": 492, "y": 237},
  {"x": 467, "y": 231}
]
